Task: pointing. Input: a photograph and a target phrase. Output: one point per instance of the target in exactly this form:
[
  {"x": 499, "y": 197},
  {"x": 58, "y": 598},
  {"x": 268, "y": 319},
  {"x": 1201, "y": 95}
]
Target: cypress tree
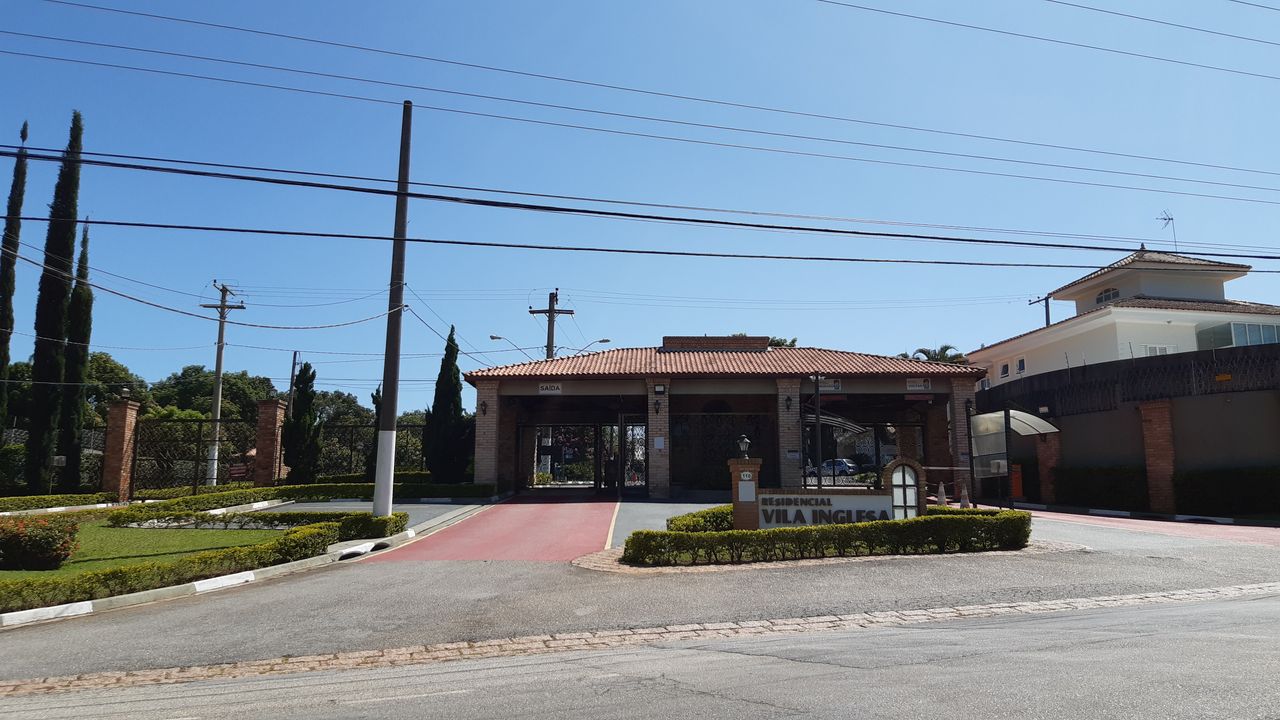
[
  {"x": 8, "y": 263},
  {"x": 79, "y": 328},
  {"x": 48, "y": 360},
  {"x": 445, "y": 458},
  {"x": 301, "y": 432},
  {"x": 371, "y": 447}
]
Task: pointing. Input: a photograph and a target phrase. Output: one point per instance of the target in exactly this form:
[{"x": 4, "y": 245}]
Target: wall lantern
[
  {"x": 788, "y": 403},
  {"x": 743, "y": 444},
  {"x": 659, "y": 389},
  {"x": 484, "y": 407},
  {"x": 657, "y": 407}
]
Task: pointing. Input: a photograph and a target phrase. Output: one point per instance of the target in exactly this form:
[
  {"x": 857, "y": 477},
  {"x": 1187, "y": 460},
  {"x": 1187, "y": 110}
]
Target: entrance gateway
[{"x": 660, "y": 421}]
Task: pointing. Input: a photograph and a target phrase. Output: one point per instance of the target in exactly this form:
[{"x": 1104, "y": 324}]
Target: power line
[
  {"x": 1164, "y": 22},
  {"x": 446, "y": 322},
  {"x": 112, "y": 347},
  {"x": 668, "y": 138},
  {"x": 1055, "y": 41},
  {"x": 664, "y": 94},
  {"x": 652, "y": 118},
  {"x": 1254, "y": 4},
  {"x": 632, "y": 251}
]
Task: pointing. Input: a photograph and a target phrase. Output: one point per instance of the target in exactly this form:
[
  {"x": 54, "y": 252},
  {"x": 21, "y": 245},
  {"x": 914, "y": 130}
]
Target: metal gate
[{"x": 174, "y": 453}]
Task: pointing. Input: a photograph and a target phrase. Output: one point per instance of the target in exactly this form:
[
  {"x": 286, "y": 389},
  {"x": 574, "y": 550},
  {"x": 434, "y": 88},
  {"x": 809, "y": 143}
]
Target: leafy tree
[
  {"x": 169, "y": 412},
  {"x": 49, "y": 361},
  {"x": 942, "y": 353},
  {"x": 18, "y": 395},
  {"x": 341, "y": 408},
  {"x": 192, "y": 389},
  {"x": 301, "y": 432},
  {"x": 446, "y": 457},
  {"x": 79, "y": 329},
  {"x": 107, "y": 378},
  {"x": 8, "y": 264}
]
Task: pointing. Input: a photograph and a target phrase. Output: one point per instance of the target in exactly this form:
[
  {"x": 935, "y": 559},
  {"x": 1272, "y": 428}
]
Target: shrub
[
  {"x": 33, "y": 502},
  {"x": 1118, "y": 488},
  {"x": 39, "y": 543},
  {"x": 712, "y": 519},
  {"x": 1232, "y": 492},
  {"x": 949, "y": 510},
  {"x": 186, "y": 491},
  {"x": 412, "y": 477},
  {"x": 934, "y": 533},
  {"x": 352, "y": 525},
  {"x": 12, "y": 459},
  {"x": 297, "y": 544},
  {"x": 357, "y": 526}
]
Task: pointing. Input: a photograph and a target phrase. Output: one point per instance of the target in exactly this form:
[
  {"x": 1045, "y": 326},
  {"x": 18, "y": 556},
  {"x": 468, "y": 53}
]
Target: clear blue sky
[{"x": 793, "y": 54}]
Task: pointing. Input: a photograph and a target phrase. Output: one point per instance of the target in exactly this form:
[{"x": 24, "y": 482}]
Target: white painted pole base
[
  {"x": 211, "y": 471},
  {"x": 384, "y": 473}
]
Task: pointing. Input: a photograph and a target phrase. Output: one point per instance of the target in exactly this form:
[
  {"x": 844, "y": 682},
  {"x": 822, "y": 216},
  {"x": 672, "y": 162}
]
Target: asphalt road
[
  {"x": 364, "y": 605},
  {"x": 1195, "y": 660}
]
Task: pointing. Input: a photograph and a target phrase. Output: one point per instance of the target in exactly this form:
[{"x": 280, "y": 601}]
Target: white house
[{"x": 1149, "y": 303}]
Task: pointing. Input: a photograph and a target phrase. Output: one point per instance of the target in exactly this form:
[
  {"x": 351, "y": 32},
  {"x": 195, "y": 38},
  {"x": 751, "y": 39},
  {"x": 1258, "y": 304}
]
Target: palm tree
[{"x": 942, "y": 353}]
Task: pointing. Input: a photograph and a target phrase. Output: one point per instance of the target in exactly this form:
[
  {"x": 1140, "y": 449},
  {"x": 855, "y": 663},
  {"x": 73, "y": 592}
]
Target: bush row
[
  {"x": 411, "y": 477},
  {"x": 352, "y": 525},
  {"x": 710, "y": 520},
  {"x": 940, "y": 533},
  {"x": 296, "y": 544},
  {"x": 36, "y": 543},
  {"x": 186, "y": 491},
  {"x": 1231, "y": 492},
  {"x": 32, "y": 502}
]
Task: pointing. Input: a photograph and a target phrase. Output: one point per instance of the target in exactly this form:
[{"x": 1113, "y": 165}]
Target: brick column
[
  {"x": 790, "y": 436},
  {"x": 962, "y": 390},
  {"x": 487, "y": 415},
  {"x": 659, "y": 459},
  {"x": 1157, "y": 446},
  {"x": 746, "y": 514},
  {"x": 268, "y": 464},
  {"x": 1048, "y": 458},
  {"x": 117, "y": 453}
]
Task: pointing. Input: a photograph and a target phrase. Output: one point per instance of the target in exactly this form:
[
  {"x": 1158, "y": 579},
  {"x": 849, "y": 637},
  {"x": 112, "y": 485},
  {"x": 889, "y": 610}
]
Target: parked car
[{"x": 840, "y": 467}]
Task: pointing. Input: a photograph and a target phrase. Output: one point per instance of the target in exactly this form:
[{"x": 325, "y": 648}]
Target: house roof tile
[{"x": 1152, "y": 256}]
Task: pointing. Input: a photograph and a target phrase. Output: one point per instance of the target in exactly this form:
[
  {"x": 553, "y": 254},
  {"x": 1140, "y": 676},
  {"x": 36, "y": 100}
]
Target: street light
[
  {"x": 744, "y": 443},
  {"x": 583, "y": 349},
  {"x": 517, "y": 347}
]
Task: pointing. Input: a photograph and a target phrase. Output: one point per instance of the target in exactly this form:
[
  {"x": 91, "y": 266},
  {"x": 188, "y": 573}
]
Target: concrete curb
[
  {"x": 1139, "y": 515},
  {"x": 334, "y": 553}
]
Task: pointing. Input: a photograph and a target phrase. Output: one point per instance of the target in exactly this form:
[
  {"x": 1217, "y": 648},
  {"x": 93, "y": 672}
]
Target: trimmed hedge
[
  {"x": 710, "y": 520},
  {"x": 39, "y": 543},
  {"x": 949, "y": 510},
  {"x": 408, "y": 477},
  {"x": 34, "y": 502},
  {"x": 185, "y": 491},
  {"x": 319, "y": 492},
  {"x": 934, "y": 533},
  {"x": 352, "y": 525},
  {"x": 296, "y": 544},
  {"x": 1230, "y": 492}
]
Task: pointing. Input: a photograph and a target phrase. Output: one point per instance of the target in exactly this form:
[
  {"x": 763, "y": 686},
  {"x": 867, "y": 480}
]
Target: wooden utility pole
[
  {"x": 384, "y": 470},
  {"x": 211, "y": 472},
  {"x": 551, "y": 312}
]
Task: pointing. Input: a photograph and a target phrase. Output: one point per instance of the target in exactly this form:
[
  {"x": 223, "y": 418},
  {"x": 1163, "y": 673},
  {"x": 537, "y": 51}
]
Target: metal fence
[
  {"x": 93, "y": 440},
  {"x": 350, "y": 449},
  {"x": 174, "y": 453}
]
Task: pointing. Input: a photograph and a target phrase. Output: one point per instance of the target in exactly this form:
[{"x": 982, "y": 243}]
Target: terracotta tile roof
[
  {"x": 770, "y": 362},
  {"x": 1154, "y": 303},
  {"x": 1152, "y": 256}
]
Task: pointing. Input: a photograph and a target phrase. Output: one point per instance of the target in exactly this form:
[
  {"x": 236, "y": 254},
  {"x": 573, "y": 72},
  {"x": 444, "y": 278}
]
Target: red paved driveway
[{"x": 540, "y": 529}]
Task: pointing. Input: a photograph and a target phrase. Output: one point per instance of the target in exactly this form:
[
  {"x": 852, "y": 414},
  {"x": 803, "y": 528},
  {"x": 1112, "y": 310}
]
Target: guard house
[{"x": 659, "y": 421}]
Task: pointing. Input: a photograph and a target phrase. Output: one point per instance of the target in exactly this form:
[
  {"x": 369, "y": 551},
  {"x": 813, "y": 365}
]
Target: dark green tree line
[
  {"x": 301, "y": 432},
  {"x": 76, "y": 374}
]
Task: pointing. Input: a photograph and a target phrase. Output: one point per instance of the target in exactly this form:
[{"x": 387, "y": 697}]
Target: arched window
[{"x": 1107, "y": 296}]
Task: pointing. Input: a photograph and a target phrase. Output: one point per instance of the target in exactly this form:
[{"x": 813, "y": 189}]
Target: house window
[
  {"x": 985, "y": 384},
  {"x": 1253, "y": 334},
  {"x": 1022, "y": 365},
  {"x": 1004, "y": 370},
  {"x": 1107, "y": 296}
]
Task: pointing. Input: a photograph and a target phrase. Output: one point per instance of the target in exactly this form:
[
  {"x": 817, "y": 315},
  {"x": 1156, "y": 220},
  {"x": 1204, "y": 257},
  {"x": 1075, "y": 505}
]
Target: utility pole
[
  {"x": 211, "y": 473},
  {"x": 551, "y": 312},
  {"x": 384, "y": 470},
  {"x": 293, "y": 374},
  {"x": 817, "y": 425},
  {"x": 1044, "y": 300}
]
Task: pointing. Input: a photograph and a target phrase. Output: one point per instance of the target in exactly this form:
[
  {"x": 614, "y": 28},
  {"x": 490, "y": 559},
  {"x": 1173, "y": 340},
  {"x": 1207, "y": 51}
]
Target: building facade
[{"x": 660, "y": 421}]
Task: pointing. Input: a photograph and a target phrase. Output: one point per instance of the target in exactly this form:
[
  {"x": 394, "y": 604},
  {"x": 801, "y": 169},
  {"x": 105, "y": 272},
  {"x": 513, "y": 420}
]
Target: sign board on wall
[
  {"x": 919, "y": 384},
  {"x": 549, "y": 388},
  {"x": 780, "y": 510},
  {"x": 829, "y": 385}
]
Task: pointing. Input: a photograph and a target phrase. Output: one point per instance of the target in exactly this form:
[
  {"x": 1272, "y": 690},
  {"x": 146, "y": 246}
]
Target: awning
[
  {"x": 834, "y": 421},
  {"x": 1023, "y": 423}
]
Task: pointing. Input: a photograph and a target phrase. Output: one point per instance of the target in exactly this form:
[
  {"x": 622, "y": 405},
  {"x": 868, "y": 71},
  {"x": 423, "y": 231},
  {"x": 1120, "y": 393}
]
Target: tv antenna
[{"x": 1168, "y": 222}]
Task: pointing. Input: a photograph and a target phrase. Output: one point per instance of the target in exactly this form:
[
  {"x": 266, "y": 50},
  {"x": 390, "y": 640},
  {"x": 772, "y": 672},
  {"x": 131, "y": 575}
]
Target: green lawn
[{"x": 103, "y": 547}]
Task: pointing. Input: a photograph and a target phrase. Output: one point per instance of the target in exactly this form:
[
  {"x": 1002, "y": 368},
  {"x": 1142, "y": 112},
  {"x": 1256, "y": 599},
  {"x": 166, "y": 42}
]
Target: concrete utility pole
[
  {"x": 211, "y": 472},
  {"x": 384, "y": 470},
  {"x": 551, "y": 312},
  {"x": 293, "y": 374}
]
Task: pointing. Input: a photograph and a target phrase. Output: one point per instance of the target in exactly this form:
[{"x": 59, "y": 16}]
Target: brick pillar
[
  {"x": 117, "y": 454},
  {"x": 268, "y": 464},
  {"x": 962, "y": 392},
  {"x": 790, "y": 436},
  {"x": 487, "y": 415},
  {"x": 1048, "y": 458},
  {"x": 1157, "y": 446},
  {"x": 659, "y": 459},
  {"x": 937, "y": 445},
  {"x": 746, "y": 513}
]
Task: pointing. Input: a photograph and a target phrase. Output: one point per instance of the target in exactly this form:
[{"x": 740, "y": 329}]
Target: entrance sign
[
  {"x": 829, "y": 385},
  {"x": 549, "y": 388},
  {"x": 782, "y": 510},
  {"x": 919, "y": 384}
]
